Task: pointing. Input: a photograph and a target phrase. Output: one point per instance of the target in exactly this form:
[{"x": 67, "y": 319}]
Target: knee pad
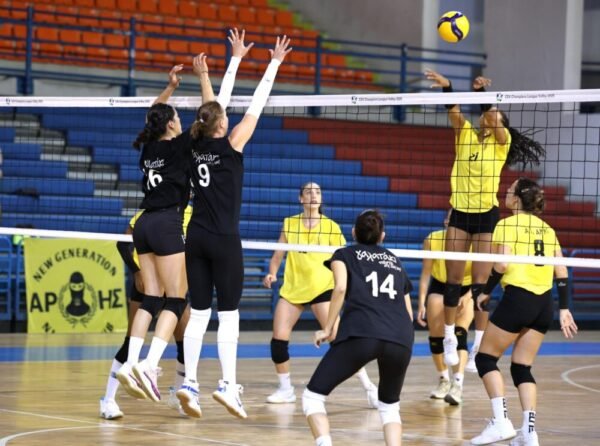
[
  {"x": 389, "y": 413},
  {"x": 175, "y": 305},
  {"x": 229, "y": 326},
  {"x": 121, "y": 355},
  {"x": 313, "y": 403},
  {"x": 485, "y": 363},
  {"x": 279, "y": 351},
  {"x": 436, "y": 344},
  {"x": 461, "y": 337},
  {"x": 152, "y": 304},
  {"x": 197, "y": 324},
  {"x": 476, "y": 290},
  {"x": 452, "y": 294},
  {"x": 521, "y": 374}
]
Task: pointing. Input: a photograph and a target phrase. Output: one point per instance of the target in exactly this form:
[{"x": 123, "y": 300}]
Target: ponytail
[{"x": 157, "y": 119}]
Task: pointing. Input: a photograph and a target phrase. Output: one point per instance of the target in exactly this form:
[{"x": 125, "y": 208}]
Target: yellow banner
[{"x": 74, "y": 286}]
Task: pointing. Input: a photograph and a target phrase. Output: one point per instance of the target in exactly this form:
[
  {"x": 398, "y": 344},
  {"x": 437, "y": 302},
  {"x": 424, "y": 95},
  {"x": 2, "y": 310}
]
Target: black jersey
[
  {"x": 217, "y": 175},
  {"x": 375, "y": 306},
  {"x": 166, "y": 180}
]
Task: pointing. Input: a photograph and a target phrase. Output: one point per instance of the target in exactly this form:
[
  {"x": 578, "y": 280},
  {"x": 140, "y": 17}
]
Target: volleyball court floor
[{"x": 50, "y": 388}]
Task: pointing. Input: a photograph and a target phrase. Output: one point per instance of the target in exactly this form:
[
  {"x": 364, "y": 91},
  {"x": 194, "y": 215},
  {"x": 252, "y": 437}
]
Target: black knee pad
[
  {"x": 452, "y": 294},
  {"x": 152, "y": 304},
  {"x": 476, "y": 290},
  {"x": 436, "y": 345},
  {"x": 279, "y": 351},
  {"x": 180, "y": 356},
  {"x": 521, "y": 374},
  {"x": 486, "y": 363},
  {"x": 136, "y": 296},
  {"x": 175, "y": 305},
  {"x": 461, "y": 336},
  {"x": 121, "y": 355}
]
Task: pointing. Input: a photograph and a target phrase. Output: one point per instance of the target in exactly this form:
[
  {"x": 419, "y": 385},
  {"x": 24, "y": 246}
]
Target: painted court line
[{"x": 565, "y": 377}]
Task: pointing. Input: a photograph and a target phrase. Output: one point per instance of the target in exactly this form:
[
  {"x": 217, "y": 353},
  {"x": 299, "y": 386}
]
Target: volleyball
[{"x": 453, "y": 26}]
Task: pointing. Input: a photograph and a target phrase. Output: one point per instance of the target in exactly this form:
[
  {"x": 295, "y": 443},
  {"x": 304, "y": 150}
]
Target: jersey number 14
[{"x": 386, "y": 287}]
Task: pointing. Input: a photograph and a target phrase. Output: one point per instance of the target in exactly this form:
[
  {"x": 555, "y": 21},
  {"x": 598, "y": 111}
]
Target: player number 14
[{"x": 387, "y": 286}]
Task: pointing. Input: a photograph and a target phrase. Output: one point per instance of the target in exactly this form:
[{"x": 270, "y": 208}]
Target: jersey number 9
[{"x": 204, "y": 175}]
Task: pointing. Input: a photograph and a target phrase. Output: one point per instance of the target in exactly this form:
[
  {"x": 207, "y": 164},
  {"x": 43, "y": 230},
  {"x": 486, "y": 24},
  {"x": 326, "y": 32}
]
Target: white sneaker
[
  {"x": 525, "y": 439},
  {"x": 148, "y": 379},
  {"x": 281, "y": 396},
  {"x": 471, "y": 367},
  {"x": 373, "y": 396},
  {"x": 454, "y": 395},
  {"x": 131, "y": 385},
  {"x": 188, "y": 399},
  {"x": 450, "y": 353},
  {"x": 173, "y": 401},
  {"x": 442, "y": 389},
  {"x": 109, "y": 410},
  {"x": 496, "y": 430},
  {"x": 229, "y": 396}
]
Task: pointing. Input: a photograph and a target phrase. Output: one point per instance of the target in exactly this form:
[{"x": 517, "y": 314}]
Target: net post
[
  {"x": 28, "y": 81},
  {"x": 399, "y": 113},
  {"x": 130, "y": 89}
]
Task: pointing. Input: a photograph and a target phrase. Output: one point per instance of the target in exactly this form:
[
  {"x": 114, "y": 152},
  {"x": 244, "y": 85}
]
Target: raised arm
[
  {"x": 457, "y": 119},
  {"x": 242, "y": 132},
  {"x": 174, "y": 80},
  {"x": 238, "y": 51},
  {"x": 200, "y": 68},
  {"x": 493, "y": 121},
  {"x": 275, "y": 263}
]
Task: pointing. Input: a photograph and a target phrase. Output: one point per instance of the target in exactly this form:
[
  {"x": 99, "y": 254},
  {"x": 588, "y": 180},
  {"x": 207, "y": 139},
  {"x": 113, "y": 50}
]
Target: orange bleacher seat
[
  {"x": 16, "y": 10},
  {"x": 127, "y": 5},
  {"x": 194, "y": 28},
  {"x": 298, "y": 57},
  {"x": 149, "y": 6},
  {"x": 167, "y": 8},
  {"x": 199, "y": 47},
  {"x": 149, "y": 23},
  {"x": 88, "y": 17},
  {"x": 335, "y": 60},
  {"x": 156, "y": 44},
  {"x": 116, "y": 41},
  {"x": 260, "y": 3},
  {"x": 112, "y": 19},
  {"x": 46, "y": 34},
  {"x": 288, "y": 70},
  {"x": 44, "y": 13},
  {"x": 285, "y": 19},
  {"x": 306, "y": 72},
  {"x": 6, "y": 36},
  {"x": 265, "y": 16},
  {"x": 106, "y": 4},
  {"x": 217, "y": 52},
  {"x": 227, "y": 14},
  {"x": 84, "y": 3},
  {"x": 70, "y": 36},
  {"x": 47, "y": 50},
  {"x": 67, "y": 15},
  {"x": 91, "y": 38},
  {"x": 188, "y": 9},
  {"x": 246, "y": 15},
  {"x": 178, "y": 46},
  {"x": 207, "y": 11}
]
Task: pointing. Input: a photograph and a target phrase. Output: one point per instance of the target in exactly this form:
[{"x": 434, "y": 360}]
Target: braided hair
[
  {"x": 523, "y": 149},
  {"x": 531, "y": 195},
  {"x": 157, "y": 119}
]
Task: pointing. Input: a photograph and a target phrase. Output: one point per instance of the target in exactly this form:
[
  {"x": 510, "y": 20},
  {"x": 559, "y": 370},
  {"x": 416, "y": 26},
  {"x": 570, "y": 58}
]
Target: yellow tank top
[
  {"x": 187, "y": 215},
  {"x": 305, "y": 276},
  {"x": 528, "y": 235},
  {"x": 476, "y": 171},
  {"x": 437, "y": 242}
]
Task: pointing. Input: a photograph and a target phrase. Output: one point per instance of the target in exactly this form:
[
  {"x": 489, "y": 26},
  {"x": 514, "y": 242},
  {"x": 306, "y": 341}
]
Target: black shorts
[
  {"x": 134, "y": 294},
  {"x": 159, "y": 232},
  {"x": 345, "y": 358},
  {"x": 475, "y": 223},
  {"x": 519, "y": 309},
  {"x": 325, "y": 296},
  {"x": 214, "y": 261},
  {"x": 437, "y": 287}
]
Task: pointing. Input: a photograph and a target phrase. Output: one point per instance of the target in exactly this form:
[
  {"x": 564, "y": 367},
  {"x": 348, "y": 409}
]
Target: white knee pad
[
  {"x": 389, "y": 413},
  {"x": 229, "y": 326},
  {"x": 313, "y": 403},
  {"x": 196, "y": 327}
]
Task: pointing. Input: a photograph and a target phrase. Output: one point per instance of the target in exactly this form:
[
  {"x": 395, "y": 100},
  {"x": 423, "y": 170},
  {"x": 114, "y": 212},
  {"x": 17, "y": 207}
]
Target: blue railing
[{"x": 316, "y": 63}]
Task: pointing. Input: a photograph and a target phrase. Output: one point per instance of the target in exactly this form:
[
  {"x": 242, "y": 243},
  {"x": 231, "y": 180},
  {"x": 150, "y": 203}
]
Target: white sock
[
  {"x": 113, "y": 383},
  {"x": 285, "y": 381},
  {"x": 157, "y": 348},
  {"x": 135, "y": 347},
  {"x": 192, "y": 341},
  {"x": 227, "y": 341},
  {"x": 324, "y": 440},
  {"x": 477, "y": 341},
  {"x": 499, "y": 408},
  {"x": 449, "y": 331},
  {"x": 179, "y": 374},
  {"x": 364, "y": 378},
  {"x": 459, "y": 378},
  {"x": 445, "y": 375},
  {"x": 528, "y": 421}
]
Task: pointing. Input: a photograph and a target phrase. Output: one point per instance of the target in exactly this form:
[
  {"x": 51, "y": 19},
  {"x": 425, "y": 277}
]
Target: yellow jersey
[
  {"x": 187, "y": 215},
  {"x": 527, "y": 235},
  {"x": 437, "y": 242},
  {"x": 476, "y": 171},
  {"x": 305, "y": 277}
]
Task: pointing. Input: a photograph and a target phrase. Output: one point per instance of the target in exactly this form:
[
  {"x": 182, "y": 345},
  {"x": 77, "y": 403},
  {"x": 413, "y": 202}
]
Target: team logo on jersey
[
  {"x": 73, "y": 299},
  {"x": 499, "y": 97}
]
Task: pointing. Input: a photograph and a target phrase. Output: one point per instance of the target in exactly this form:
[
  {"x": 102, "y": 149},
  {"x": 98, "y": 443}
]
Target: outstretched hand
[
  {"x": 567, "y": 324},
  {"x": 199, "y": 64},
  {"x": 237, "y": 43},
  {"x": 281, "y": 48},
  {"x": 174, "y": 78},
  {"x": 438, "y": 80},
  {"x": 481, "y": 82}
]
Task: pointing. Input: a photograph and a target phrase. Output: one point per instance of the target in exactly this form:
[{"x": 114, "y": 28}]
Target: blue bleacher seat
[
  {"x": 7, "y": 134},
  {"x": 21, "y": 151},
  {"x": 37, "y": 169},
  {"x": 43, "y": 186},
  {"x": 61, "y": 222},
  {"x": 47, "y": 204}
]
